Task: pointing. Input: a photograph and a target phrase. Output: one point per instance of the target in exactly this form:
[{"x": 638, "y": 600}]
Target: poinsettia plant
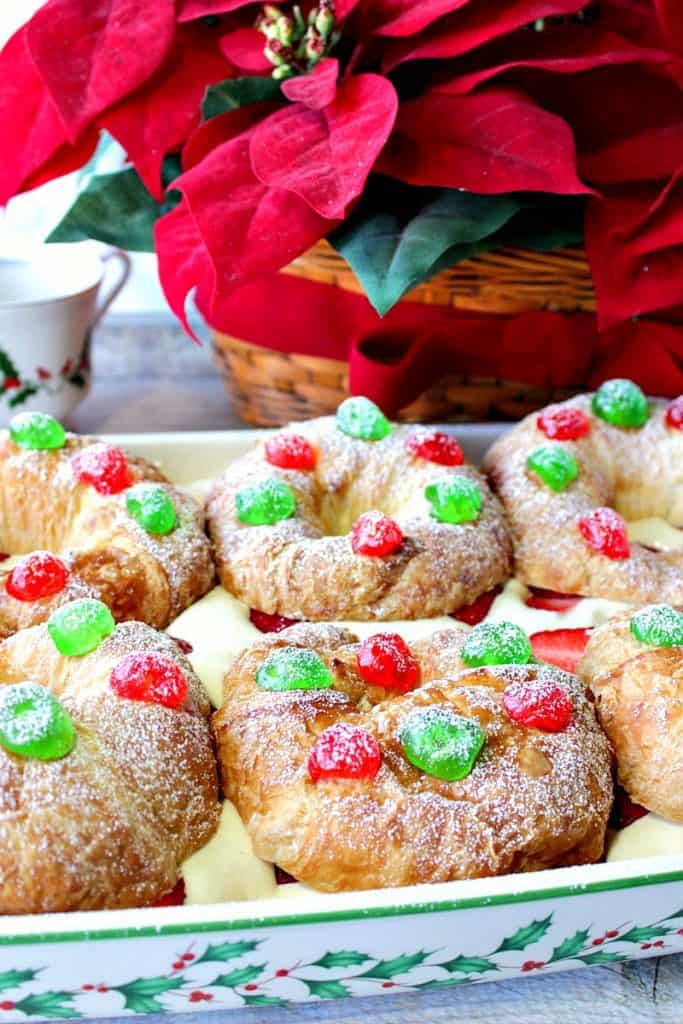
[{"x": 411, "y": 135}]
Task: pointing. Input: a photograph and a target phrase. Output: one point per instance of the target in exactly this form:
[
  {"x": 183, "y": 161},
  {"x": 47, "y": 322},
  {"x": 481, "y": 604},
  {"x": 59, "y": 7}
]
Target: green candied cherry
[
  {"x": 441, "y": 743},
  {"x": 555, "y": 466},
  {"x": 456, "y": 499},
  {"x": 360, "y": 418},
  {"x": 80, "y": 626},
  {"x": 496, "y": 643},
  {"x": 33, "y": 723},
  {"x": 621, "y": 403},
  {"x": 658, "y": 625},
  {"x": 265, "y": 503},
  {"x": 152, "y": 508},
  {"x": 36, "y": 431},
  {"x": 294, "y": 668}
]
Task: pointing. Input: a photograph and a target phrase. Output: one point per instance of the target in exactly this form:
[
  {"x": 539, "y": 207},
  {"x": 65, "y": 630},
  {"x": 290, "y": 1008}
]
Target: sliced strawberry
[
  {"x": 174, "y": 898},
  {"x": 625, "y": 812},
  {"x": 479, "y": 609},
  {"x": 551, "y": 600},
  {"x": 270, "y": 623},
  {"x": 560, "y": 647}
]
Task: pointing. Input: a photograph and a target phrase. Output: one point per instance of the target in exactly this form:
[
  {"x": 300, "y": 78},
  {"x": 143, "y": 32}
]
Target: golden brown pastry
[
  {"x": 362, "y": 528},
  {"x": 569, "y": 477},
  {"x": 634, "y": 667},
  {"x": 356, "y": 785},
  {"x": 72, "y": 502},
  {"x": 130, "y": 789}
]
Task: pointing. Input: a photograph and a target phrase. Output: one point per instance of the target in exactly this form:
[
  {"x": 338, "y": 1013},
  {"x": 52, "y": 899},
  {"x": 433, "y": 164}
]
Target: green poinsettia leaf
[
  {"x": 239, "y": 92},
  {"x": 595, "y": 959},
  {"x": 12, "y": 979},
  {"x": 224, "y": 951},
  {"x": 141, "y": 995},
  {"x": 644, "y": 934},
  {"x": 526, "y": 936},
  {"x": 343, "y": 958},
  {"x": 396, "y": 236},
  {"x": 469, "y": 965},
  {"x": 327, "y": 989},
  {"x": 117, "y": 209},
  {"x": 263, "y": 1001},
  {"x": 240, "y": 976},
  {"x": 545, "y": 223},
  {"x": 570, "y": 946},
  {"x": 398, "y": 965},
  {"x": 52, "y": 1005}
]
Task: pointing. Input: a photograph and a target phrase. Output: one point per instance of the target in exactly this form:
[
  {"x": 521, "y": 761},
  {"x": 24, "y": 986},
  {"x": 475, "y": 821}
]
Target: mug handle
[{"x": 123, "y": 273}]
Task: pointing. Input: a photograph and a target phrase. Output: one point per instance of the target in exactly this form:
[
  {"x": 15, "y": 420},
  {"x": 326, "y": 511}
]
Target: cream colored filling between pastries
[{"x": 218, "y": 627}]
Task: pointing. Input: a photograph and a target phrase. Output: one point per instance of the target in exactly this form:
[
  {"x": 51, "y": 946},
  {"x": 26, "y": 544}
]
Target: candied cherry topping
[
  {"x": 386, "y": 660},
  {"x": 270, "y": 623},
  {"x": 104, "y": 467},
  {"x": 290, "y": 451},
  {"x": 151, "y": 678},
  {"x": 563, "y": 423},
  {"x": 545, "y": 706},
  {"x": 673, "y": 416},
  {"x": 38, "y": 575},
  {"x": 375, "y": 534},
  {"x": 344, "y": 752},
  {"x": 604, "y": 531},
  {"x": 435, "y": 446}
]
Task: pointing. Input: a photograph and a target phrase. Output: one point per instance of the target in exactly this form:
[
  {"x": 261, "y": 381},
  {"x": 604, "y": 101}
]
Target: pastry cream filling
[
  {"x": 219, "y": 629},
  {"x": 650, "y": 836}
]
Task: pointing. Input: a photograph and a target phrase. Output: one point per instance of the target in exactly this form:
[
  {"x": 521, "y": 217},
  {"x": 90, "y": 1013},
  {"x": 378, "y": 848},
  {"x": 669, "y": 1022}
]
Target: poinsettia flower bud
[
  {"x": 324, "y": 22},
  {"x": 283, "y": 71},
  {"x": 314, "y": 45},
  {"x": 284, "y": 30}
]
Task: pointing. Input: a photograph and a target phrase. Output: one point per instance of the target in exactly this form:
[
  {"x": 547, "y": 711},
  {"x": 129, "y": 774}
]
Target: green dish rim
[{"x": 356, "y": 914}]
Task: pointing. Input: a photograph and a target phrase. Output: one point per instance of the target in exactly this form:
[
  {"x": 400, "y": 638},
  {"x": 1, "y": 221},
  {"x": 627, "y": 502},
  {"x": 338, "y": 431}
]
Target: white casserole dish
[{"x": 270, "y": 952}]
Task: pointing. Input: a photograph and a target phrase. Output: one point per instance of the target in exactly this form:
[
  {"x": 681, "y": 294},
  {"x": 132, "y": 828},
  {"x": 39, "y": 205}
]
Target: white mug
[{"x": 48, "y": 309}]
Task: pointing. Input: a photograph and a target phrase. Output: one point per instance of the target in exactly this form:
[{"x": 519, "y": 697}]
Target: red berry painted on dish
[
  {"x": 435, "y": 446},
  {"x": 151, "y": 678},
  {"x": 604, "y": 531},
  {"x": 673, "y": 417},
  {"x": 560, "y": 647},
  {"x": 38, "y": 575},
  {"x": 543, "y": 706},
  {"x": 290, "y": 451},
  {"x": 376, "y": 535},
  {"x": 344, "y": 752},
  {"x": 386, "y": 660},
  {"x": 474, "y": 613},
  {"x": 563, "y": 423},
  {"x": 103, "y": 467},
  {"x": 270, "y": 623}
]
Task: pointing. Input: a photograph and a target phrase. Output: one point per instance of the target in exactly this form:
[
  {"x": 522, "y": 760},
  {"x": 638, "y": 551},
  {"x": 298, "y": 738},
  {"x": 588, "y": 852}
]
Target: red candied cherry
[
  {"x": 38, "y": 575},
  {"x": 376, "y": 535},
  {"x": 344, "y": 752},
  {"x": 386, "y": 660},
  {"x": 673, "y": 416},
  {"x": 604, "y": 531},
  {"x": 563, "y": 423},
  {"x": 149, "y": 677},
  {"x": 104, "y": 467},
  {"x": 290, "y": 451},
  {"x": 270, "y": 623},
  {"x": 543, "y": 706},
  {"x": 435, "y": 446}
]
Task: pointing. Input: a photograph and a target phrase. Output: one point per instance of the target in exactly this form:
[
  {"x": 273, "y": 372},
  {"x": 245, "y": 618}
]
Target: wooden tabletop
[{"x": 148, "y": 377}]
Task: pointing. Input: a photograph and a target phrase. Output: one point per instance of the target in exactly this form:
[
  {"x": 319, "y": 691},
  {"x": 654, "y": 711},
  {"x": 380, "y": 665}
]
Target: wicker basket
[{"x": 269, "y": 388}]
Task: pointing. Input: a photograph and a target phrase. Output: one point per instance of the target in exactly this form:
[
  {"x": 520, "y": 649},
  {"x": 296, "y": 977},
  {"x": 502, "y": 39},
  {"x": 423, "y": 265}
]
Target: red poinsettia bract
[{"x": 495, "y": 97}]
